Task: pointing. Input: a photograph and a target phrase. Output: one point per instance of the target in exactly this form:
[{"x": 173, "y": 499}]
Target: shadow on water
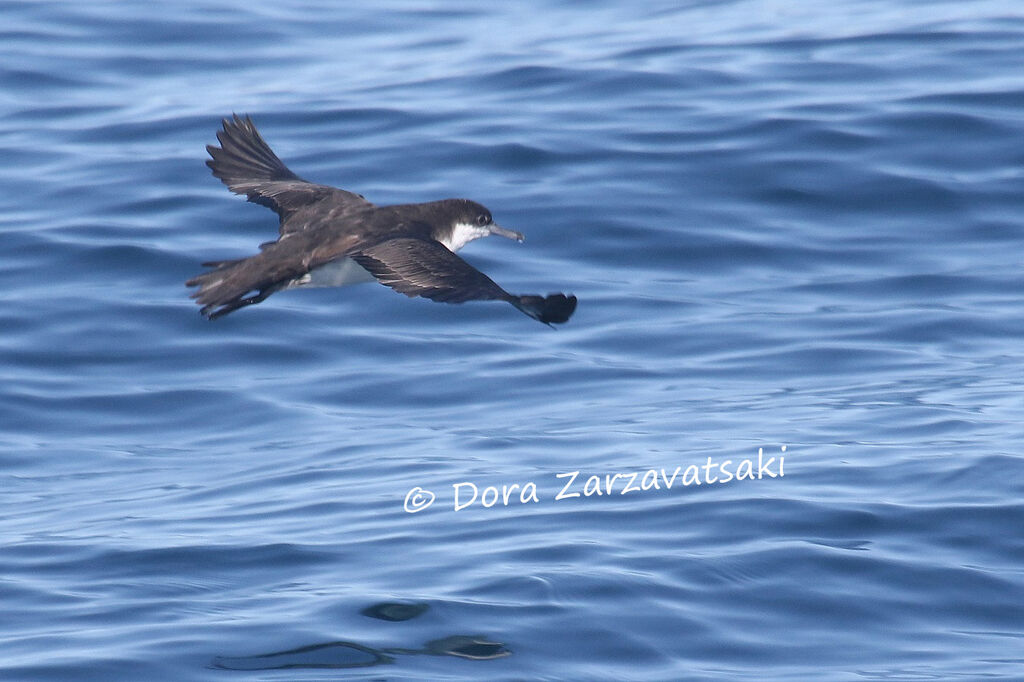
[{"x": 342, "y": 654}]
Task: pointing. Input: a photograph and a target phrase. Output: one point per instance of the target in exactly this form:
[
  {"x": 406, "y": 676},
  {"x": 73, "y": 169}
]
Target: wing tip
[
  {"x": 551, "y": 309},
  {"x": 243, "y": 154}
]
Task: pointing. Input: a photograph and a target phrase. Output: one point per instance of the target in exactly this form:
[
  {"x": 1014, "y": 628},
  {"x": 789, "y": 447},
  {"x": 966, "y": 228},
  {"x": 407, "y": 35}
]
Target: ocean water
[{"x": 796, "y": 231}]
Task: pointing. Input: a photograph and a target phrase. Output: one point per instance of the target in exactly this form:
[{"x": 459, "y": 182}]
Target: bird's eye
[{"x": 483, "y": 219}]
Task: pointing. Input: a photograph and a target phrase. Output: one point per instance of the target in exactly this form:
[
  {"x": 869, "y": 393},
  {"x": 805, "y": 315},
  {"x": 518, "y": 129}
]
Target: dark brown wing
[
  {"x": 246, "y": 164},
  {"x": 424, "y": 267}
]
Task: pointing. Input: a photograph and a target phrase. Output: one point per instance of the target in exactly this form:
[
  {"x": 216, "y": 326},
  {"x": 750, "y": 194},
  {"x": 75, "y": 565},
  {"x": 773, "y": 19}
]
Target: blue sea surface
[{"x": 780, "y": 439}]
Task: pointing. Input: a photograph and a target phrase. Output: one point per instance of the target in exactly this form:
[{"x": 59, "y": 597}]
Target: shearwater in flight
[{"x": 332, "y": 237}]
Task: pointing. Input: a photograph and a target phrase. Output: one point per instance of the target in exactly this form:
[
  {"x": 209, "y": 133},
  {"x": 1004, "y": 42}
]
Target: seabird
[{"x": 332, "y": 237}]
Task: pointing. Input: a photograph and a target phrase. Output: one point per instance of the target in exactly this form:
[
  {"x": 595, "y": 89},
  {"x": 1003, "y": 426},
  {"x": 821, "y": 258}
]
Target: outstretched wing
[
  {"x": 424, "y": 267},
  {"x": 246, "y": 164}
]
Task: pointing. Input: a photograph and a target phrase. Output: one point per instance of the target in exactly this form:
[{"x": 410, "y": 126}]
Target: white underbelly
[{"x": 339, "y": 273}]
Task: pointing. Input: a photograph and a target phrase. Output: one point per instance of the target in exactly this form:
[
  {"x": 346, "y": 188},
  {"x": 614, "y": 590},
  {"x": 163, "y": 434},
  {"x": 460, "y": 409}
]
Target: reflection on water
[
  {"x": 353, "y": 655},
  {"x": 394, "y": 611},
  {"x": 328, "y": 655}
]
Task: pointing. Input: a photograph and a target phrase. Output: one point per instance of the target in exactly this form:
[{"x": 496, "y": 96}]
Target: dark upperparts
[{"x": 402, "y": 246}]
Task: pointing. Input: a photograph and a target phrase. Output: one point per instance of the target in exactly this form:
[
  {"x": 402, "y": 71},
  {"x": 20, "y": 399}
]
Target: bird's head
[{"x": 468, "y": 220}]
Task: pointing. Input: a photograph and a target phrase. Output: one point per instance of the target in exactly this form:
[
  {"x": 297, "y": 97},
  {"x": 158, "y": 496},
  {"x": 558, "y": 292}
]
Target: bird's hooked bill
[{"x": 508, "y": 234}]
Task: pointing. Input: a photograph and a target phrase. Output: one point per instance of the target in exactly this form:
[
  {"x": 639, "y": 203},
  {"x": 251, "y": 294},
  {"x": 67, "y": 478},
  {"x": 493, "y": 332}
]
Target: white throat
[{"x": 464, "y": 233}]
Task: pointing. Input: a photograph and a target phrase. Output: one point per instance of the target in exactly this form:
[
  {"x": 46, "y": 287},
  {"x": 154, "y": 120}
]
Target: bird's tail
[
  {"x": 551, "y": 309},
  {"x": 230, "y": 285}
]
